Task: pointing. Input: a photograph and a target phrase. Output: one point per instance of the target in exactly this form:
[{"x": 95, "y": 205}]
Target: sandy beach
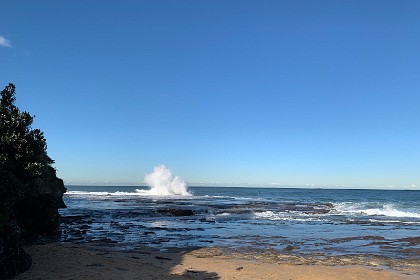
[{"x": 69, "y": 261}]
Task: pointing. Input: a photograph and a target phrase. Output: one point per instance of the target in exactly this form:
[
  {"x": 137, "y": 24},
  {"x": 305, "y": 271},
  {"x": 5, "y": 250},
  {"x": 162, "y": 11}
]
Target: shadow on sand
[{"x": 81, "y": 261}]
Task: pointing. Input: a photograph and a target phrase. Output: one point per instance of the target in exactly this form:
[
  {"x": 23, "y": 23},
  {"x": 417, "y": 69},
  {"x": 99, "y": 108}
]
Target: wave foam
[
  {"x": 273, "y": 216},
  {"x": 117, "y": 193},
  {"x": 388, "y": 210}
]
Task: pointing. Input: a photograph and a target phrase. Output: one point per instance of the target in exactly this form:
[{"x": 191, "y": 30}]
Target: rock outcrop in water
[
  {"x": 176, "y": 212},
  {"x": 30, "y": 192}
]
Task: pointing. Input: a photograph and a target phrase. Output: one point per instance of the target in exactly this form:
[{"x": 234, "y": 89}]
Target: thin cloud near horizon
[{"x": 5, "y": 42}]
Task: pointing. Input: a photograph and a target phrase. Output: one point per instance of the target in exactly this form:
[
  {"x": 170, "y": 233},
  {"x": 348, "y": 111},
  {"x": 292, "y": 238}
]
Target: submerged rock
[{"x": 177, "y": 212}]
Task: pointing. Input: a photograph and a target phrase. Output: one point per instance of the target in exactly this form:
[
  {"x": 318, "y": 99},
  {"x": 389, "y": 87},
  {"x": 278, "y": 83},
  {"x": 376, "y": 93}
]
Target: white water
[
  {"x": 388, "y": 210},
  {"x": 101, "y": 194},
  {"x": 163, "y": 183},
  {"x": 287, "y": 216}
]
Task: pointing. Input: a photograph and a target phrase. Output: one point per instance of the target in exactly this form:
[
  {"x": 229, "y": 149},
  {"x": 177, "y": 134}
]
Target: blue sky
[{"x": 276, "y": 93}]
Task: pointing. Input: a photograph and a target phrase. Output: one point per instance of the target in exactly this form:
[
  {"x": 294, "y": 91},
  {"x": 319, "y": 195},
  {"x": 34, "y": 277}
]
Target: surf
[{"x": 388, "y": 210}]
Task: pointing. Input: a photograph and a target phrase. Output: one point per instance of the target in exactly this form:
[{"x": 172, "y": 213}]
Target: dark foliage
[{"x": 30, "y": 192}]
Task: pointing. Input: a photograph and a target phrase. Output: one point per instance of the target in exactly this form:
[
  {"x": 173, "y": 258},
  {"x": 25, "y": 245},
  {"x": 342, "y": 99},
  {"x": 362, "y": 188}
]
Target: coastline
[{"x": 75, "y": 261}]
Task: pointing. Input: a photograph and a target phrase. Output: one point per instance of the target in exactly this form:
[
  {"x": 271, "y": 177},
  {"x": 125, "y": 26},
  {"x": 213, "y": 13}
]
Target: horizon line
[{"x": 198, "y": 185}]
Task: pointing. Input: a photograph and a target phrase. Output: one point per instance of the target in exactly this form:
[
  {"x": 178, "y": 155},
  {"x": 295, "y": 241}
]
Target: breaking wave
[{"x": 388, "y": 210}]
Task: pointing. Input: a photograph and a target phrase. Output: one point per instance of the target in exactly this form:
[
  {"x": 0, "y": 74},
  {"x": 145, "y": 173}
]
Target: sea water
[{"x": 298, "y": 221}]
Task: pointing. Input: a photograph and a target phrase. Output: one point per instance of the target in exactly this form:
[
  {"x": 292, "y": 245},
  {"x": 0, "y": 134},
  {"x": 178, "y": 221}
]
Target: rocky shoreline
[
  {"x": 373, "y": 261},
  {"x": 76, "y": 236}
]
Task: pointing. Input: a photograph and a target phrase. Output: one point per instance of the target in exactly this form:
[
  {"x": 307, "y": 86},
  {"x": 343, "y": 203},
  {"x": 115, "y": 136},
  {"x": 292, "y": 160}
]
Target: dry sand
[{"x": 67, "y": 261}]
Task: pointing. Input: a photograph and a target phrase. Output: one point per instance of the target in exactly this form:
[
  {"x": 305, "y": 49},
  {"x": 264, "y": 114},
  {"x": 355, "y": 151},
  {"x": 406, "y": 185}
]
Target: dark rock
[
  {"x": 163, "y": 258},
  {"x": 290, "y": 248},
  {"x": 204, "y": 220},
  {"x": 411, "y": 240},
  {"x": 104, "y": 240},
  {"x": 176, "y": 212},
  {"x": 95, "y": 264},
  {"x": 13, "y": 258},
  {"x": 352, "y": 238},
  {"x": 160, "y": 240}
]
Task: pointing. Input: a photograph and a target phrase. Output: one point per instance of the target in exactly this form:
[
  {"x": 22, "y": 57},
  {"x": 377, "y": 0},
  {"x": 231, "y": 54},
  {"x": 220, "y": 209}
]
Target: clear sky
[{"x": 277, "y": 93}]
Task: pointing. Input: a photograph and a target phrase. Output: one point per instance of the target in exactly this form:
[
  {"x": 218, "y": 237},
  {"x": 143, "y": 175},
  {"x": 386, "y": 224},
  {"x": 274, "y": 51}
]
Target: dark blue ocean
[{"x": 327, "y": 222}]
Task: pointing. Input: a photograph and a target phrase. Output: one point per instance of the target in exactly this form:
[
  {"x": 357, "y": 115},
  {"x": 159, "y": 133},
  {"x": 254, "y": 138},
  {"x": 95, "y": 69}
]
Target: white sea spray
[{"x": 163, "y": 183}]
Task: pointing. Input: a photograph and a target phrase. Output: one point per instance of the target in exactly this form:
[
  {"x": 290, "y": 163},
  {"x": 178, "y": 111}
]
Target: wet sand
[{"x": 68, "y": 261}]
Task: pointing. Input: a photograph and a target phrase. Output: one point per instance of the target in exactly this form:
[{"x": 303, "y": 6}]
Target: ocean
[{"x": 317, "y": 222}]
